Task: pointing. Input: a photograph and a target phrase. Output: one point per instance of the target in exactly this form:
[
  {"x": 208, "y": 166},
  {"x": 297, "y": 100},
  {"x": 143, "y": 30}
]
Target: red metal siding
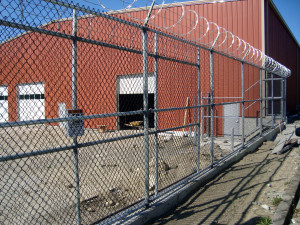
[{"x": 283, "y": 48}]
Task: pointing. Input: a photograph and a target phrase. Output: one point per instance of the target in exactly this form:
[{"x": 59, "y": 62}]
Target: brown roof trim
[{"x": 197, "y": 2}]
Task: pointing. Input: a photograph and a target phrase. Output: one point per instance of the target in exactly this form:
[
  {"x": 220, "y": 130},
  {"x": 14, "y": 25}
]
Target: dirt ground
[
  {"x": 40, "y": 189},
  {"x": 243, "y": 193}
]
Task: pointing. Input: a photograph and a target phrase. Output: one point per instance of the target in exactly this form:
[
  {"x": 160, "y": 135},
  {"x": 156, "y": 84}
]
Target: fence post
[
  {"x": 146, "y": 115},
  {"x": 243, "y": 105},
  {"x": 201, "y": 121},
  {"x": 272, "y": 103},
  {"x": 156, "y": 114},
  {"x": 285, "y": 99},
  {"x": 211, "y": 109},
  {"x": 260, "y": 102},
  {"x": 232, "y": 139},
  {"x": 282, "y": 106},
  {"x": 74, "y": 106},
  {"x": 199, "y": 95}
]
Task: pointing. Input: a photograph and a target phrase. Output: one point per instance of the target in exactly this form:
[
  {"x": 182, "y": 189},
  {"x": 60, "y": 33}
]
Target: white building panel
[
  {"x": 133, "y": 84},
  {"x": 25, "y": 89}
]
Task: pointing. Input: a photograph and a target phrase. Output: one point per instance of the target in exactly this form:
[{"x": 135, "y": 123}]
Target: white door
[
  {"x": 3, "y": 104},
  {"x": 31, "y": 101},
  {"x": 231, "y": 119}
]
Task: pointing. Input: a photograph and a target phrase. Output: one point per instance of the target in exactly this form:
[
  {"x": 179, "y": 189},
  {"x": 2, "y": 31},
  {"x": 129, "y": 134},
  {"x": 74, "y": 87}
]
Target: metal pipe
[
  {"x": 97, "y": 116},
  {"x": 232, "y": 139},
  {"x": 146, "y": 115},
  {"x": 243, "y": 105},
  {"x": 272, "y": 103},
  {"x": 201, "y": 132},
  {"x": 260, "y": 102},
  {"x": 198, "y": 110},
  {"x": 284, "y": 99},
  {"x": 74, "y": 106},
  {"x": 195, "y": 119},
  {"x": 271, "y": 79},
  {"x": 156, "y": 115},
  {"x": 252, "y": 86},
  {"x": 281, "y": 93},
  {"x": 211, "y": 109},
  {"x": 149, "y": 14}
]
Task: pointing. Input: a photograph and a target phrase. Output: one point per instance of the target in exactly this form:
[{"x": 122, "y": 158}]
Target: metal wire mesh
[{"x": 98, "y": 114}]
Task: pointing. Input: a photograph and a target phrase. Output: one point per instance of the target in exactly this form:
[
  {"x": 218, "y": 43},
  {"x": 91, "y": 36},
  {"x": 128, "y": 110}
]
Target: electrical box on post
[{"x": 75, "y": 127}]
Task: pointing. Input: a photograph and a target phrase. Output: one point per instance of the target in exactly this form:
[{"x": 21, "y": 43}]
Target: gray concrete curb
[
  {"x": 161, "y": 207},
  {"x": 284, "y": 210}
]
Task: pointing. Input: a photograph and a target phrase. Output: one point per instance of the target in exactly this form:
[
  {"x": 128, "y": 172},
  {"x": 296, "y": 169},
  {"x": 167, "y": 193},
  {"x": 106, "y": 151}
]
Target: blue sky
[{"x": 290, "y": 11}]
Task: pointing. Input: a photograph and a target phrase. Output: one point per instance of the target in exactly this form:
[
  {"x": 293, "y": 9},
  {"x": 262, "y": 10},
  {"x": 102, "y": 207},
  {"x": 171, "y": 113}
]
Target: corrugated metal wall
[{"x": 281, "y": 46}]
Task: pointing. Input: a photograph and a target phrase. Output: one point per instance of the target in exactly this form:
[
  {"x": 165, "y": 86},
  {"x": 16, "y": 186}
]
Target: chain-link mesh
[{"x": 91, "y": 127}]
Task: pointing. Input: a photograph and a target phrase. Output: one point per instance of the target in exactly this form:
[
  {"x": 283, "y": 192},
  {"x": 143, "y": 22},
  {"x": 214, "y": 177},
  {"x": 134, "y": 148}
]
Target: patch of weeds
[
  {"x": 296, "y": 212},
  {"x": 276, "y": 201},
  {"x": 264, "y": 221},
  {"x": 287, "y": 183}
]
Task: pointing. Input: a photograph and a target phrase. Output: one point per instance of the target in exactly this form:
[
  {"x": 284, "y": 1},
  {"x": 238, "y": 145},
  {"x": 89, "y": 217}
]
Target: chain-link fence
[{"x": 100, "y": 116}]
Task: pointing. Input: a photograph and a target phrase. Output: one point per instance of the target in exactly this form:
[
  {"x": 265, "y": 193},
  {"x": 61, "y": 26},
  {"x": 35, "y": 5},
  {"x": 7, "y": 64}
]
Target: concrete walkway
[{"x": 243, "y": 193}]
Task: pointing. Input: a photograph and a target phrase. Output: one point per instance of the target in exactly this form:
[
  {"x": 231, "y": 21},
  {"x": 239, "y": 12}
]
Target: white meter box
[{"x": 74, "y": 128}]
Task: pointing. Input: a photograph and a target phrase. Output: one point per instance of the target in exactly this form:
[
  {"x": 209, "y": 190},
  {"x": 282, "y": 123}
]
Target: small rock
[
  {"x": 293, "y": 220},
  {"x": 168, "y": 138},
  {"x": 90, "y": 209},
  {"x": 254, "y": 203},
  {"x": 109, "y": 203},
  {"x": 269, "y": 185},
  {"x": 225, "y": 141},
  {"x": 70, "y": 186},
  {"x": 112, "y": 189},
  {"x": 266, "y": 207}
]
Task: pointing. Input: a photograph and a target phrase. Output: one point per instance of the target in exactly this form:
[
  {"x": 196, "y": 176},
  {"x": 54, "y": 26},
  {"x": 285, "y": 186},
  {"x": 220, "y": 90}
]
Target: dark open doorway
[{"x": 133, "y": 102}]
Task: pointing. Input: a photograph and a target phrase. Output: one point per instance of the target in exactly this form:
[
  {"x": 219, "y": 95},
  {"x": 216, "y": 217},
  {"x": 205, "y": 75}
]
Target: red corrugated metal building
[{"x": 37, "y": 58}]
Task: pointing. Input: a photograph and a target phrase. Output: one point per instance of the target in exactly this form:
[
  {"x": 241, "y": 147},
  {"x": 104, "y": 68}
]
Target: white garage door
[
  {"x": 3, "y": 104},
  {"x": 31, "y": 101},
  {"x": 133, "y": 84}
]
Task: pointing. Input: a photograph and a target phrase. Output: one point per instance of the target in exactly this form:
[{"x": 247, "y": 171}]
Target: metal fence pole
[
  {"x": 74, "y": 106},
  {"x": 272, "y": 103},
  {"x": 260, "y": 102},
  {"x": 284, "y": 110},
  {"x": 199, "y": 95},
  {"x": 232, "y": 139},
  {"x": 267, "y": 96},
  {"x": 156, "y": 114},
  {"x": 146, "y": 115},
  {"x": 243, "y": 105},
  {"x": 211, "y": 109},
  {"x": 282, "y": 101}
]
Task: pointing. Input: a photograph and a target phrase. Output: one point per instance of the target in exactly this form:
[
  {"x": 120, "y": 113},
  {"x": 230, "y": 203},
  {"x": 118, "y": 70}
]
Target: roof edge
[
  {"x": 197, "y": 2},
  {"x": 272, "y": 4}
]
